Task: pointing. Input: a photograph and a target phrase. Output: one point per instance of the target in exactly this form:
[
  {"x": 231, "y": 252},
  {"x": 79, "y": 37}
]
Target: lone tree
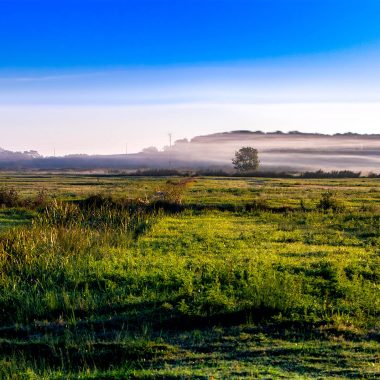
[{"x": 246, "y": 160}]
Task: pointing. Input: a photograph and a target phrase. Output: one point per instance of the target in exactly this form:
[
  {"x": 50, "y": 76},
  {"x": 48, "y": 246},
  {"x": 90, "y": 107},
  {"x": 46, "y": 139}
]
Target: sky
[{"x": 95, "y": 76}]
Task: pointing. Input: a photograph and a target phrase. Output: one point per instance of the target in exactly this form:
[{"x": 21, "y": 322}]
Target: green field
[{"x": 107, "y": 277}]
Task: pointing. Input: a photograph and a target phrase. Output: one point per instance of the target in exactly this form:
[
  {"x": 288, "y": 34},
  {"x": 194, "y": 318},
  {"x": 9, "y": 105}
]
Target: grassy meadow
[{"x": 116, "y": 277}]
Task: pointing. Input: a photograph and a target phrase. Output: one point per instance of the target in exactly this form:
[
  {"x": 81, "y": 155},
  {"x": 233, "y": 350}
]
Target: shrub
[
  {"x": 9, "y": 197},
  {"x": 328, "y": 201},
  {"x": 173, "y": 191},
  {"x": 42, "y": 199}
]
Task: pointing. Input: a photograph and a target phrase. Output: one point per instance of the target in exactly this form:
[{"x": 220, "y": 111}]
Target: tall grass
[
  {"x": 43, "y": 265},
  {"x": 74, "y": 261}
]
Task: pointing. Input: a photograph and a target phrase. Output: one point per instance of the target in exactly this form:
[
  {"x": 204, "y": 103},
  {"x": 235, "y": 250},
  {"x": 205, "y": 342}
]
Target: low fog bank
[{"x": 277, "y": 151}]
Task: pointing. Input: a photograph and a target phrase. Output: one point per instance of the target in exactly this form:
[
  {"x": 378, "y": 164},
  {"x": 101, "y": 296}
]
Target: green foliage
[
  {"x": 9, "y": 197},
  {"x": 329, "y": 201},
  {"x": 173, "y": 191},
  {"x": 246, "y": 160}
]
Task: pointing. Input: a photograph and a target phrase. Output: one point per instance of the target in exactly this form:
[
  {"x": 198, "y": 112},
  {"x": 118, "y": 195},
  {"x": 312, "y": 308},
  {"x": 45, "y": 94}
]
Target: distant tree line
[
  {"x": 319, "y": 174},
  {"x": 332, "y": 174}
]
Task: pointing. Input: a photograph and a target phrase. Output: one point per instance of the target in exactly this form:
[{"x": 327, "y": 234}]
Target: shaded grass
[
  {"x": 12, "y": 217},
  {"x": 279, "y": 351}
]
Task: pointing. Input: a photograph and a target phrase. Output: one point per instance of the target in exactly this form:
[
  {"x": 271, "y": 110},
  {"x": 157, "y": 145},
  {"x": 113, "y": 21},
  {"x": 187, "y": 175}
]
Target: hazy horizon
[{"x": 94, "y": 76}]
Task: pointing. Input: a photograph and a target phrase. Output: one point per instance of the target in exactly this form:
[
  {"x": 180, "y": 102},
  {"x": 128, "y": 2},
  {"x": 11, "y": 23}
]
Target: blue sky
[
  {"x": 72, "y": 34},
  {"x": 185, "y": 63}
]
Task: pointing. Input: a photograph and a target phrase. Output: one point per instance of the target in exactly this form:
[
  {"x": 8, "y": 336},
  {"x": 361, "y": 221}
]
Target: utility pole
[{"x": 170, "y": 150}]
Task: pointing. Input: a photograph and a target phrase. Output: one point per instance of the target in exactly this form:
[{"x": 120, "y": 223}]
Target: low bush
[
  {"x": 329, "y": 201},
  {"x": 9, "y": 197}
]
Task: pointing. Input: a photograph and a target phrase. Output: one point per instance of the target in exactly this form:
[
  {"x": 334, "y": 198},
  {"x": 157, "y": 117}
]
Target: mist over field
[
  {"x": 278, "y": 151},
  {"x": 292, "y": 151}
]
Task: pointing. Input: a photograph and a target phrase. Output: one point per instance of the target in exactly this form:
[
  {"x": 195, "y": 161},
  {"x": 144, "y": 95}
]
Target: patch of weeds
[{"x": 329, "y": 201}]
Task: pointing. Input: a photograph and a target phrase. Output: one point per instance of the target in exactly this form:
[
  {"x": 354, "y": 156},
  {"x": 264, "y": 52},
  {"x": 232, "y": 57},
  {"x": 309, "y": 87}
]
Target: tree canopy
[{"x": 246, "y": 159}]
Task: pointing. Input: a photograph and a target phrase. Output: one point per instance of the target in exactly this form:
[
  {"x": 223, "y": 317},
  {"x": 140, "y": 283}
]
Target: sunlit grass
[{"x": 281, "y": 290}]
